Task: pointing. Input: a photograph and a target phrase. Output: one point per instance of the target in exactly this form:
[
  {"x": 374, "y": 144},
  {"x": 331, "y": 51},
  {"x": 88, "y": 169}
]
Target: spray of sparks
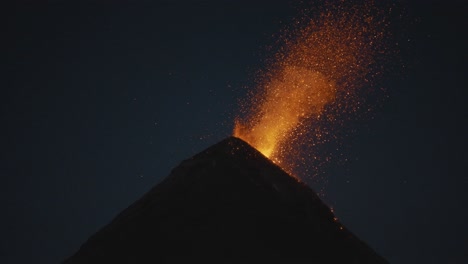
[{"x": 312, "y": 82}]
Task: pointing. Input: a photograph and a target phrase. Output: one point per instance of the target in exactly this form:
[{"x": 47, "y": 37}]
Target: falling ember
[{"x": 314, "y": 76}]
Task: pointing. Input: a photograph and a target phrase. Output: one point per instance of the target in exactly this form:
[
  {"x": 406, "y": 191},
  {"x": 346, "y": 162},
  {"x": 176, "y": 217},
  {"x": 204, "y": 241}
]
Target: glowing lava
[
  {"x": 296, "y": 93},
  {"x": 314, "y": 74}
]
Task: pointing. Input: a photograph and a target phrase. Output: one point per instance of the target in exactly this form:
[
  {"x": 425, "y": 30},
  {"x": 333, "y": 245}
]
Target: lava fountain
[
  {"x": 316, "y": 73},
  {"x": 295, "y": 95}
]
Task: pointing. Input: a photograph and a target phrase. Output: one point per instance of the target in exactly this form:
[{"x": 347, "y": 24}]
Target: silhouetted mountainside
[{"x": 227, "y": 204}]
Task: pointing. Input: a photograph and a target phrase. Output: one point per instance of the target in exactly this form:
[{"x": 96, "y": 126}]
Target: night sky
[{"x": 100, "y": 101}]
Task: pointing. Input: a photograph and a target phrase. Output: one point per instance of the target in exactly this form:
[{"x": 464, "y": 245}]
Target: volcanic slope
[{"x": 227, "y": 204}]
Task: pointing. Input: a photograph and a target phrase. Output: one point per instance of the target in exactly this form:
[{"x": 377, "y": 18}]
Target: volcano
[{"x": 227, "y": 204}]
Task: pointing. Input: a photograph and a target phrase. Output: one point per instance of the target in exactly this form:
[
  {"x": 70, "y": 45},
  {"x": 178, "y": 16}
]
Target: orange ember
[{"x": 316, "y": 72}]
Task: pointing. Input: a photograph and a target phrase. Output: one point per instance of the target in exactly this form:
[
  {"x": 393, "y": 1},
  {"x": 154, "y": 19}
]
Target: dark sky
[{"x": 101, "y": 100}]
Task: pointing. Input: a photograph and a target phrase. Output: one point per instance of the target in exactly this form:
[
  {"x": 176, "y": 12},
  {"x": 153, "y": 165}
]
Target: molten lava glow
[
  {"x": 297, "y": 93},
  {"x": 313, "y": 79}
]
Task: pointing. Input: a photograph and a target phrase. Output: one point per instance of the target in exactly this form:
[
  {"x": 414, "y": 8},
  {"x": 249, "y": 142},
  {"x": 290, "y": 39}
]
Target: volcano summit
[{"x": 227, "y": 204}]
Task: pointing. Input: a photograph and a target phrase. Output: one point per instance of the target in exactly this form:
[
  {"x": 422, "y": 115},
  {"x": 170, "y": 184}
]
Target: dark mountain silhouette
[{"x": 227, "y": 204}]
